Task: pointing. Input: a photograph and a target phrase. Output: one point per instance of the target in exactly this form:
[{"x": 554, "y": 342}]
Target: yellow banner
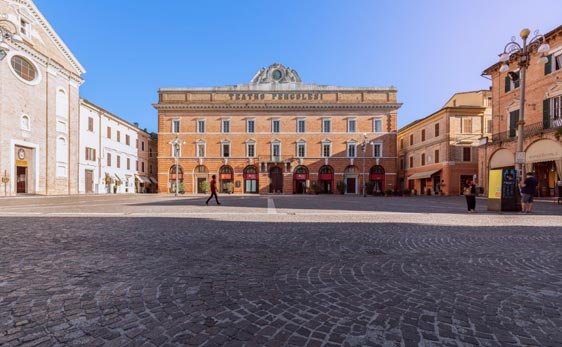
[
  {"x": 495, "y": 185},
  {"x": 21, "y": 163}
]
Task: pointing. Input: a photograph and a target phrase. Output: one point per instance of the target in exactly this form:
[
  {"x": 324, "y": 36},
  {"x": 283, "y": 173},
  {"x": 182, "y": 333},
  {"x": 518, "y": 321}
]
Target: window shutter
[
  {"x": 507, "y": 84},
  {"x": 95, "y": 154},
  {"x": 86, "y": 153},
  {"x": 548, "y": 65},
  {"x": 546, "y": 114}
]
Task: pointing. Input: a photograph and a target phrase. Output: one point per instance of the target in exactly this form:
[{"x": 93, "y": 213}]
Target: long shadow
[
  {"x": 413, "y": 204},
  {"x": 172, "y": 281}
]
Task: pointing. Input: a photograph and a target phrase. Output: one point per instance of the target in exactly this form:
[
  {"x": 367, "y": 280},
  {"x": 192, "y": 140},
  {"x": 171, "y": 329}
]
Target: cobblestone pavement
[{"x": 281, "y": 271}]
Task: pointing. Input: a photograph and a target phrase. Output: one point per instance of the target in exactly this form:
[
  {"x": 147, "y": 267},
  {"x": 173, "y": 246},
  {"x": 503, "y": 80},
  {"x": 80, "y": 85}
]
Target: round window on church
[
  {"x": 277, "y": 75},
  {"x": 24, "y": 68}
]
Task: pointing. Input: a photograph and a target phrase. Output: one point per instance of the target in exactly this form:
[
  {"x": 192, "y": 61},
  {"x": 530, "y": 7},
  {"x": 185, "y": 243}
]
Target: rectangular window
[
  {"x": 118, "y": 136},
  {"x": 226, "y": 150},
  {"x": 377, "y": 150},
  {"x": 423, "y": 135},
  {"x": 128, "y": 164},
  {"x": 201, "y": 126},
  {"x": 466, "y": 153},
  {"x": 108, "y": 132},
  {"x": 118, "y": 161},
  {"x": 276, "y": 150},
  {"x": 555, "y": 111},
  {"x": 251, "y": 150},
  {"x": 108, "y": 159},
  {"x": 137, "y": 165},
  {"x": 512, "y": 81},
  {"x": 436, "y": 156},
  {"x": 489, "y": 126},
  {"x": 301, "y": 150},
  {"x": 142, "y": 146},
  {"x": 351, "y": 126},
  {"x": 251, "y": 126},
  {"x": 401, "y": 163},
  {"x": 411, "y": 162},
  {"x": 142, "y": 166},
  {"x": 377, "y": 125},
  {"x": 411, "y": 139},
  {"x": 326, "y": 125},
  {"x": 513, "y": 120},
  {"x": 326, "y": 150},
  {"x": 225, "y": 126},
  {"x": 402, "y": 143},
  {"x": 275, "y": 126},
  {"x": 175, "y": 126},
  {"x": 201, "y": 150},
  {"x": 436, "y": 129},
  {"x": 90, "y": 154},
  {"x": 127, "y": 140},
  {"x": 467, "y": 126},
  {"x": 150, "y": 169},
  {"x": 351, "y": 150},
  {"x": 301, "y": 126},
  {"x": 24, "y": 27},
  {"x": 557, "y": 62},
  {"x": 423, "y": 159},
  {"x": 90, "y": 124}
]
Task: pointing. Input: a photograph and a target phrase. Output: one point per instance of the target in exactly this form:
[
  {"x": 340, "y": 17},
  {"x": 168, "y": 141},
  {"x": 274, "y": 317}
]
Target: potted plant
[
  {"x": 558, "y": 133},
  {"x": 181, "y": 189},
  {"x": 230, "y": 187},
  {"x": 406, "y": 192},
  {"x": 340, "y": 186},
  {"x": 315, "y": 188},
  {"x": 204, "y": 187},
  {"x": 388, "y": 192}
]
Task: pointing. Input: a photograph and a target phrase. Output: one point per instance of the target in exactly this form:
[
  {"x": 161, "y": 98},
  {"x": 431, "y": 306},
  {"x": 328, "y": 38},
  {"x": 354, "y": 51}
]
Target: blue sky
[{"x": 427, "y": 49}]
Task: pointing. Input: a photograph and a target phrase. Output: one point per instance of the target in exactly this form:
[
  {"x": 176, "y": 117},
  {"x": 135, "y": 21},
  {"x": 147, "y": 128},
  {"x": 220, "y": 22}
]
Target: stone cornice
[{"x": 388, "y": 107}]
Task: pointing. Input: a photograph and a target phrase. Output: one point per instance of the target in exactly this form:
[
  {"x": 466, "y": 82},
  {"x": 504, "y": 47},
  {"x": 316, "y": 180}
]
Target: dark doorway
[
  {"x": 89, "y": 181},
  {"x": 22, "y": 179},
  {"x": 350, "y": 185},
  {"x": 276, "y": 177}
]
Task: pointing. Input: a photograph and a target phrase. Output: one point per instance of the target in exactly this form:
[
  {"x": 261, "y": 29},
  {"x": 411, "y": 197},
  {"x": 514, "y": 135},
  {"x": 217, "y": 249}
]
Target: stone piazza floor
[{"x": 158, "y": 270}]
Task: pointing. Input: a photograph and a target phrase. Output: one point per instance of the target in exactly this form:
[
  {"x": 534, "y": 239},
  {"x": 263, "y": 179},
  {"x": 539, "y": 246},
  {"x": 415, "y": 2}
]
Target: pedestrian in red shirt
[{"x": 213, "y": 191}]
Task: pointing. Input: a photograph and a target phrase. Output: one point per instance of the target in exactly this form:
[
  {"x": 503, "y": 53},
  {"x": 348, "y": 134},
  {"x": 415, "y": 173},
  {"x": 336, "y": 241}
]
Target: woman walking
[
  {"x": 213, "y": 191},
  {"x": 469, "y": 191}
]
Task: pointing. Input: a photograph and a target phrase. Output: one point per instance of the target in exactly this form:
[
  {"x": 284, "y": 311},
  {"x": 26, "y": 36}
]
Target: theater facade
[{"x": 277, "y": 135}]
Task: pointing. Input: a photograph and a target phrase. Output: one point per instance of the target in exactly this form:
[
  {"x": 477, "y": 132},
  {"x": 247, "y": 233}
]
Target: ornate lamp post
[
  {"x": 6, "y": 36},
  {"x": 176, "y": 142},
  {"x": 521, "y": 54}
]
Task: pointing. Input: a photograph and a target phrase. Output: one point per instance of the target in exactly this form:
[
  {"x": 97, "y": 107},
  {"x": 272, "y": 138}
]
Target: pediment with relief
[{"x": 275, "y": 73}]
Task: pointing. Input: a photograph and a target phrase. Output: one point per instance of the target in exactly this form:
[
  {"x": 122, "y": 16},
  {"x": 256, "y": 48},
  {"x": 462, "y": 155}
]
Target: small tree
[
  {"x": 204, "y": 186},
  {"x": 340, "y": 186}
]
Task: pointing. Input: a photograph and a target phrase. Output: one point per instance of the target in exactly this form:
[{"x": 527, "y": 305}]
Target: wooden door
[
  {"x": 276, "y": 177},
  {"x": 89, "y": 181},
  {"x": 351, "y": 185},
  {"x": 22, "y": 179}
]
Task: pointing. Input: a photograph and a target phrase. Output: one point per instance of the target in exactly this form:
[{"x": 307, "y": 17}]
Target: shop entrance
[
  {"x": 250, "y": 179},
  {"x": 326, "y": 179},
  {"x": 300, "y": 176},
  {"x": 276, "y": 179}
]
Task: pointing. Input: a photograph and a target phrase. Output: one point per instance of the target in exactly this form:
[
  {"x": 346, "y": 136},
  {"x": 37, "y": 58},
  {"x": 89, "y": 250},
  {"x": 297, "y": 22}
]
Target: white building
[
  {"x": 108, "y": 151},
  {"x": 39, "y": 95}
]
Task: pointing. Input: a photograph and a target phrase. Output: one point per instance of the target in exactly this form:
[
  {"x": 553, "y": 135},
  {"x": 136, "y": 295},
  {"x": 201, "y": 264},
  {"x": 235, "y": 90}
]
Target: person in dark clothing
[
  {"x": 469, "y": 191},
  {"x": 528, "y": 190},
  {"x": 213, "y": 191}
]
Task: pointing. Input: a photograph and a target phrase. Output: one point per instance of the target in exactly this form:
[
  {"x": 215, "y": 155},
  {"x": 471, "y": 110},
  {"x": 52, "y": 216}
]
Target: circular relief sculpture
[{"x": 24, "y": 68}]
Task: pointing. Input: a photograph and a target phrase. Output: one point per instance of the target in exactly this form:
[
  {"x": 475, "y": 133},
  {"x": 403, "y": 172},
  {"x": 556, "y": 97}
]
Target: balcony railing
[{"x": 529, "y": 130}]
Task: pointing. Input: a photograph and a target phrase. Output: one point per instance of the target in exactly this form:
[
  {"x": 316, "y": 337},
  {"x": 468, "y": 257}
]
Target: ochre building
[
  {"x": 277, "y": 135},
  {"x": 440, "y": 152}
]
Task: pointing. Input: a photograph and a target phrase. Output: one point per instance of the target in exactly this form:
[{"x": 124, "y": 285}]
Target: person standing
[
  {"x": 213, "y": 191},
  {"x": 469, "y": 191},
  {"x": 528, "y": 191}
]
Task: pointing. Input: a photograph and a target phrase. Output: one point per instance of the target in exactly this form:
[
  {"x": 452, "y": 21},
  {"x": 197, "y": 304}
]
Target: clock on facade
[
  {"x": 21, "y": 154},
  {"x": 277, "y": 75}
]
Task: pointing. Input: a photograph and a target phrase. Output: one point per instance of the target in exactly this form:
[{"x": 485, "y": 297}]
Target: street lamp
[
  {"x": 364, "y": 149},
  {"x": 521, "y": 54},
  {"x": 5, "y": 36},
  {"x": 176, "y": 143}
]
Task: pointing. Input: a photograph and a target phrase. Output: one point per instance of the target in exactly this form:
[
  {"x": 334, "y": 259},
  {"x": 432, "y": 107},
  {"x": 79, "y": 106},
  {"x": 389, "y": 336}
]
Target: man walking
[
  {"x": 528, "y": 190},
  {"x": 213, "y": 191}
]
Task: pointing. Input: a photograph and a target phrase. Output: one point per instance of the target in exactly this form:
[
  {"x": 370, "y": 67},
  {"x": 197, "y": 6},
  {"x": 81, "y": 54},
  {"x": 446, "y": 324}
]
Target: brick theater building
[{"x": 277, "y": 134}]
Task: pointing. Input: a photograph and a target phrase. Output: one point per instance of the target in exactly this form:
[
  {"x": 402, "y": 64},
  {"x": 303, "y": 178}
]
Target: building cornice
[{"x": 387, "y": 107}]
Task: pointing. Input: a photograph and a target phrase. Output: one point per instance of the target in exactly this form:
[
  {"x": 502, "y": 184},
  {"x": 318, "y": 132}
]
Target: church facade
[{"x": 277, "y": 135}]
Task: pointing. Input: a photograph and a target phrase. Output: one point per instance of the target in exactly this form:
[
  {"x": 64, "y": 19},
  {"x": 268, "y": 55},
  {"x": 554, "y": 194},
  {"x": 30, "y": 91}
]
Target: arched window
[
  {"x": 25, "y": 123},
  {"x": 377, "y": 169},
  {"x": 62, "y": 104},
  {"x": 62, "y": 150},
  {"x": 326, "y": 169},
  {"x": 301, "y": 169},
  {"x": 350, "y": 170},
  {"x": 250, "y": 169},
  {"x": 201, "y": 169}
]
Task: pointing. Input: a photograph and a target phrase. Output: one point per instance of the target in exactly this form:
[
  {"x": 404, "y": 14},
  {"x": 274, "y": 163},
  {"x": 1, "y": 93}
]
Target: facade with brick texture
[
  {"x": 277, "y": 135},
  {"x": 542, "y": 118}
]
